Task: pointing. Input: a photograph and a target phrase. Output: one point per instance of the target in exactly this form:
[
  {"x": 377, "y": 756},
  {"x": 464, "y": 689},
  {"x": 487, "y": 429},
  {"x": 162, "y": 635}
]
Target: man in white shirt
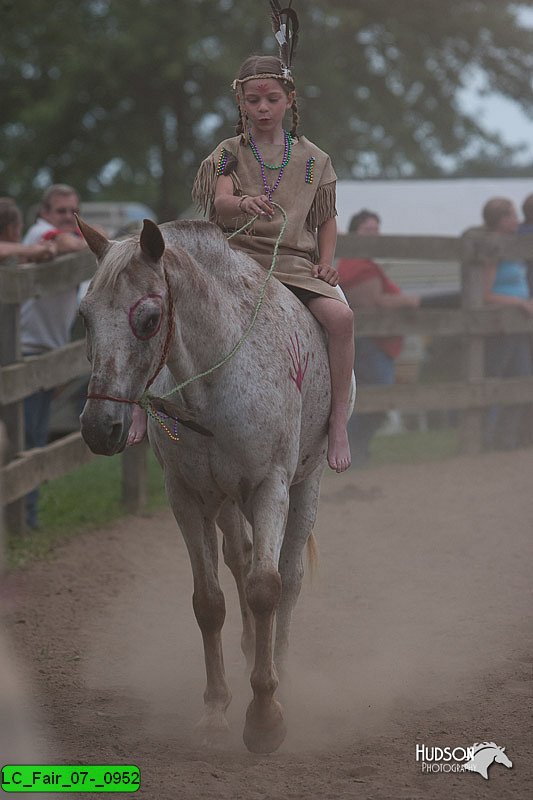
[{"x": 46, "y": 322}]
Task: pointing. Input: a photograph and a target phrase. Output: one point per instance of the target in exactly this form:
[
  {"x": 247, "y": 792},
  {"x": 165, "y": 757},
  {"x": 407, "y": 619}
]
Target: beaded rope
[
  {"x": 269, "y": 190},
  {"x": 309, "y": 170}
]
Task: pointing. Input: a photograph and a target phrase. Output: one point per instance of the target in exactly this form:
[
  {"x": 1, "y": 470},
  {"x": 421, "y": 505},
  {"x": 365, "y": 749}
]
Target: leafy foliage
[{"x": 124, "y": 99}]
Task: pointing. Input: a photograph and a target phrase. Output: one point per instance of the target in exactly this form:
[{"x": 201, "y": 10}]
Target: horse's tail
[{"x": 312, "y": 556}]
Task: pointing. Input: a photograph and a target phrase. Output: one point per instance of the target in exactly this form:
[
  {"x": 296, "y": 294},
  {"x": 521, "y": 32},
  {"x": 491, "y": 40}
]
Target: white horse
[{"x": 169, "y": 306}]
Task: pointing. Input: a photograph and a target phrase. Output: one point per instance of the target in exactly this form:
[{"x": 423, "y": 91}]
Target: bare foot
[
  {"x": 339, "y": 456},
  {"x": 137, "y": 430}
]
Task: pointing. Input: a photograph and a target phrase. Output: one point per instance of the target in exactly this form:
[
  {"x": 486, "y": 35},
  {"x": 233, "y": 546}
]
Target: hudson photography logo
[{"x": 476, "y": 758}]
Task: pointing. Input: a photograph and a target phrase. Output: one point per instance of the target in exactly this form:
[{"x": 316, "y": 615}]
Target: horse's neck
[{"x": 209, "y": 318}]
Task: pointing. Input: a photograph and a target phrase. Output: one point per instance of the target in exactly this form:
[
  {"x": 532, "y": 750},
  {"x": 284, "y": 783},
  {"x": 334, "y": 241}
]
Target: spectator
[
  {"x": 527, "y": 227},
  {"x": 508, "y": 355},
  {"x": 45, "y": 322},
  {"x": 10, "y": 236},
  {"x": 366, "y": 285}
]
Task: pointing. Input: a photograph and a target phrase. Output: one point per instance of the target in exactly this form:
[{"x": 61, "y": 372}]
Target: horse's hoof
[
  {"x": 264, "y": 732},
  {"x": 212, "y": 730}
]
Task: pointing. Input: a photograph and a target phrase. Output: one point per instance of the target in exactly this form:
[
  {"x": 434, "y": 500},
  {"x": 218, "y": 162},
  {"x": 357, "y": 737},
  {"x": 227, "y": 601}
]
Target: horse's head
[
  {"x": 501, "y": 757},
  {"x": 128, "y": 318}
]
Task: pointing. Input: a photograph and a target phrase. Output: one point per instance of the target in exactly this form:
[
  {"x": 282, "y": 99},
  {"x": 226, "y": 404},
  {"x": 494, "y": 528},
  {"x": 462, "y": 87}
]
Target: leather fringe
[{"x": 323, "y": 207}]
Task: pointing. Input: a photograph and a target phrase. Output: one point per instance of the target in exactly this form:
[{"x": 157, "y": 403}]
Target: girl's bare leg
[
  {"x": 137, "y": 430},
  {"x": 337, "y": 318}
]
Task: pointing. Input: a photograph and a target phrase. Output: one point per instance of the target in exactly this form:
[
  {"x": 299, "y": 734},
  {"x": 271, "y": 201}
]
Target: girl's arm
[
  {"x": 327, "y": 240},
  {"x": 229, "y": 206}
]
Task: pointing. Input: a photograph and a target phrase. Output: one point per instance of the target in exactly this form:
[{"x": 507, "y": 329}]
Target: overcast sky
[{"x": 503, "y": 116}]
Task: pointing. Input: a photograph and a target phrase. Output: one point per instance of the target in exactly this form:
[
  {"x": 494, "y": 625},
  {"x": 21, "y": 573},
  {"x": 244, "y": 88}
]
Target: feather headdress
[{"x": 285, "y": 26}]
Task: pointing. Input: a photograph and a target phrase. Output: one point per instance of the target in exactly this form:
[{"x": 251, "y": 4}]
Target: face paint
[{"x": 298, "y": 364}]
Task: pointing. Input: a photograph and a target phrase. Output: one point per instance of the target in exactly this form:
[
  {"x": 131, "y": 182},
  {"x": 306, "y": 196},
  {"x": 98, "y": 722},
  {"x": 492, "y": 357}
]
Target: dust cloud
[
  {"x": 18, "y": 730},
  {"x": 415, "y": 600}
]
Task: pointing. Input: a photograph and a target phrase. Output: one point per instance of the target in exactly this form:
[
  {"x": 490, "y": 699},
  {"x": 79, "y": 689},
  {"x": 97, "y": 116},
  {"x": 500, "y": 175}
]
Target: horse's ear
[
  {"x": 96, "y": 240},
  {"x": 152, "y": 243}
]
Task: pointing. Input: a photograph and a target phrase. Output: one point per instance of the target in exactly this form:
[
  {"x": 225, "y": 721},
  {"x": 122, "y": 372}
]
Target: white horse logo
[{"x": 485, "y": 753}]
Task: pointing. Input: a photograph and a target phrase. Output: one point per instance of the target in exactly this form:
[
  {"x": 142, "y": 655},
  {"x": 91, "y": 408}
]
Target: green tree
[{"x": 123, "y": 99}]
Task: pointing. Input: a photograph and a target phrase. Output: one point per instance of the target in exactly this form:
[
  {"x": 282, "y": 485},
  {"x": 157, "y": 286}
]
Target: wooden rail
[{"x": 21, "y": 377}]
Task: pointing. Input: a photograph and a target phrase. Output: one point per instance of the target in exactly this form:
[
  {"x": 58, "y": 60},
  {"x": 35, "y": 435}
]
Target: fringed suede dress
[{"x": 306, "y": 192}]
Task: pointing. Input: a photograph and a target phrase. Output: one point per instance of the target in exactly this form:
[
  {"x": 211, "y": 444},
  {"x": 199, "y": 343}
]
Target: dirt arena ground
[{"x": 416, "y": 630}]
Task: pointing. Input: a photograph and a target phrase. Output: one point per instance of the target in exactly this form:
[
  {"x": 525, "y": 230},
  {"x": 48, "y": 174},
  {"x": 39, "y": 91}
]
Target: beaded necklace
[{"x": 269, "y": 190}]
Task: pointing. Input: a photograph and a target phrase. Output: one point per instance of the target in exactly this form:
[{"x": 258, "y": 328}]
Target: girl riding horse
[{"x": 240, "y": 179}]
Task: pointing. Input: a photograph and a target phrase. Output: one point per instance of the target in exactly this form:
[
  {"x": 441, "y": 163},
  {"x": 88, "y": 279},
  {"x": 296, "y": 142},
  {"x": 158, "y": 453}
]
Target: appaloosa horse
[{"x": 169, "y": 306}]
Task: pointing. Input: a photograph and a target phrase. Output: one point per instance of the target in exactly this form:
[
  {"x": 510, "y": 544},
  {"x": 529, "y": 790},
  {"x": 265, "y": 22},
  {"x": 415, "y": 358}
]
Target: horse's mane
[
  {"x": 115, "y": 262},
  {"x": 484, "y": 745},
  {"x": 202, "y": 240}
]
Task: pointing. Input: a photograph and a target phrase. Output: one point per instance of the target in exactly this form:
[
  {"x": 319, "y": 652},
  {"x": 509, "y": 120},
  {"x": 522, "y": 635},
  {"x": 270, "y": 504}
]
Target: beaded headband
[{"x": 285, "y": 76}]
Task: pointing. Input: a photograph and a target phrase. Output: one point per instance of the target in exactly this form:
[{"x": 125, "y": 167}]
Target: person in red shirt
[{"x": 366, "y": 285}]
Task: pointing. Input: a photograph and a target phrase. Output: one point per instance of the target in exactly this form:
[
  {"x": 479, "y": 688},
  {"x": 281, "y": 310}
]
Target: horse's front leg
[
  {"x": 237, "y": 550},
  {"x": 197, "y": 525},
  {"x": 265, "y": 729}
]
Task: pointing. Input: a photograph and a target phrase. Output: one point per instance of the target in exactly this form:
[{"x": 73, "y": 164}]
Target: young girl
[
  {"x": 242, "y": 178},
  {"x": 262, "y": 165}
]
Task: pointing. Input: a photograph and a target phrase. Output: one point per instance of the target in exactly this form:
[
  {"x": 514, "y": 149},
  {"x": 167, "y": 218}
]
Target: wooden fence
[
  {"x": 25, "y": 470},
  {"x": 471, "y": 395}
]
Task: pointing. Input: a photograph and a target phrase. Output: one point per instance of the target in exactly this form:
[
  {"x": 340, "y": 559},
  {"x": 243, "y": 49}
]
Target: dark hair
[
  {"x": 268, "y": 65},
  {"x": 362, "y": 216},
  {"x": 9, "y": 213},
  {"x": 494, "y": 210},
  {"x": 527, "y": 208}
]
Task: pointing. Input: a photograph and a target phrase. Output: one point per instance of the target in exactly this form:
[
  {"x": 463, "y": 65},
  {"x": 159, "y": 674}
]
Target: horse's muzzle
[{"x": 105, "y": 426}]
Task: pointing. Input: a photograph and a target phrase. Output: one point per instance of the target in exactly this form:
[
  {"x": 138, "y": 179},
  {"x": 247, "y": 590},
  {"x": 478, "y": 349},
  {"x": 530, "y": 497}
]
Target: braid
[
  {"x": 295, "y": 119},
  {"x": 239, "y": 128}
]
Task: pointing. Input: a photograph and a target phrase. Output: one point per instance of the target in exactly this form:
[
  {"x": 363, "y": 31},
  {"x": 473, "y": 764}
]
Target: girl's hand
[
  {"x": 326, "y": 273},
  {"x": 259, "y": 205}
]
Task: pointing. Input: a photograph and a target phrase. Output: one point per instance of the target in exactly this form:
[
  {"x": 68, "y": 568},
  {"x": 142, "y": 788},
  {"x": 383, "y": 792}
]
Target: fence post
[
  {"x": 135, "y": 477},
  {"x": 12, "y": 415},
  {"x": 471, "y": 419}
]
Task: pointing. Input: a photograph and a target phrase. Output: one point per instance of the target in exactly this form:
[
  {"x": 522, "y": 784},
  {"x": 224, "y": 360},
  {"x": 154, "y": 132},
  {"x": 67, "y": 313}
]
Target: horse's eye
[
  {"x": 145, "y": 317},
  {"x": 150, "y": 325}
]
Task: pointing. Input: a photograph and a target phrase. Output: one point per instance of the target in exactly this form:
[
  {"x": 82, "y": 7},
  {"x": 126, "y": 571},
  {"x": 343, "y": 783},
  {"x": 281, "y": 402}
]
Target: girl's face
[{"x": 265, "y": 103}]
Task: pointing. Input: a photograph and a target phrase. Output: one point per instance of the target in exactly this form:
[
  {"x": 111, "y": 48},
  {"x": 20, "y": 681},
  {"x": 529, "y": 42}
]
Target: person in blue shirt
[
  {"x": 526, "y": 226},
  {"x": 507, "y": 355}
]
